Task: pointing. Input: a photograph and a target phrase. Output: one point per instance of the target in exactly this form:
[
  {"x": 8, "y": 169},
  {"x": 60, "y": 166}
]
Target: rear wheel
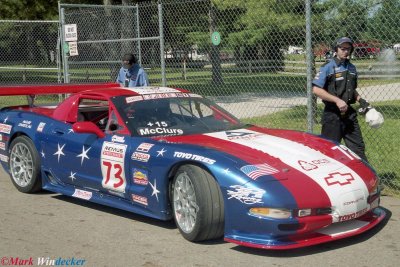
[
  {"x": 197, "y": 204},
  {"x": 24, "y": 165}
]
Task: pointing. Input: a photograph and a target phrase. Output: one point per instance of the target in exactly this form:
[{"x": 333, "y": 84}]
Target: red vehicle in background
[{"x": 366, "y": 50}]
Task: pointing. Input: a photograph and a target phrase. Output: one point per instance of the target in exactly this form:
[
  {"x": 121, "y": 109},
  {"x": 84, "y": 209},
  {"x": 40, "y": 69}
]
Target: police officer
[
  {"x": 131, "y": 73},
  {"x": 336, "y": 84}
]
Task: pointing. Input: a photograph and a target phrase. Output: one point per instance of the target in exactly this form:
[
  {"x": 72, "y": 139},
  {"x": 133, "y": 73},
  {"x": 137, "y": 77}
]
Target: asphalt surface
[{"x": 36, "y": 226}]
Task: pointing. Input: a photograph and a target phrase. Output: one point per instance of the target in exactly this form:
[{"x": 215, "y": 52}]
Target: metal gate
[{"x": 95, "y": 37}]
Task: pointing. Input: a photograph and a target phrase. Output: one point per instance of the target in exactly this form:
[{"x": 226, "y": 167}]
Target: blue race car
[{"x": 170, "y": 154}]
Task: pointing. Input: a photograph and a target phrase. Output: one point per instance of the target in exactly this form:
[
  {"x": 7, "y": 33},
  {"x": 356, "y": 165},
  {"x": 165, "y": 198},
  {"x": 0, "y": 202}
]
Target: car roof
[{"x": 118, "y": 91}]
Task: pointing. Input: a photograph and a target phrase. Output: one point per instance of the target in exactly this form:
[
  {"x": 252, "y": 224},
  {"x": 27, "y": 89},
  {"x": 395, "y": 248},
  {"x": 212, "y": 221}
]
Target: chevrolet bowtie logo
[{"x": 339, "y": 178}]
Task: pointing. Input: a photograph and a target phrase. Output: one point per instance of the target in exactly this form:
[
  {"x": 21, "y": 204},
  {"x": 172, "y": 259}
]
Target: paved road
[{"x": 55, "y": 226}]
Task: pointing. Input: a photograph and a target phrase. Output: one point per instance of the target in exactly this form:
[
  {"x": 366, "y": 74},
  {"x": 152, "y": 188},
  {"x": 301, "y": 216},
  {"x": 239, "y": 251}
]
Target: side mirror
[{"x": 88, "y": 127}]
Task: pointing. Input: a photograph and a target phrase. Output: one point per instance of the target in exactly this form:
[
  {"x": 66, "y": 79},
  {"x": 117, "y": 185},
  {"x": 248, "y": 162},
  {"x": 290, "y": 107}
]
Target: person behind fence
[
  {"x": 131, "y": 73},
  {"x": 336, "y": 84}
]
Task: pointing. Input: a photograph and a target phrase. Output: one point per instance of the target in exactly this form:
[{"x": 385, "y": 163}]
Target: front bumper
[{"x": 332, "y": 232}]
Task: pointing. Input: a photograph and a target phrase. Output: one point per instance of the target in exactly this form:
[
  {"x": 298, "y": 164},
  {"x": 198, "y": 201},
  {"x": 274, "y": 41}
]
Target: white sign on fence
[
  {"x": 70, "y": 33},
  {"x": 73, "y": 49}
]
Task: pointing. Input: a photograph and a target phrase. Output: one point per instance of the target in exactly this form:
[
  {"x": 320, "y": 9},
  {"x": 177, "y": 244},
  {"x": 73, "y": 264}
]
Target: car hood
[{"x": 307, "y": 165}]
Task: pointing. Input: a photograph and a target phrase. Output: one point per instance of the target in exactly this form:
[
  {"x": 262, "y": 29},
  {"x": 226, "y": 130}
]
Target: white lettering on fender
[{"x": 183, "y": 155}]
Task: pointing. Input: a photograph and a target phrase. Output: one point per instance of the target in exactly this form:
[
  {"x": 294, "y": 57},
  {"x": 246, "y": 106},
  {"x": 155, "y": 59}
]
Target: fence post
[
  {"x": 309, "y": 59},
  {"x": 63, "y": 53},
  {"x": 162, "y": 58}
]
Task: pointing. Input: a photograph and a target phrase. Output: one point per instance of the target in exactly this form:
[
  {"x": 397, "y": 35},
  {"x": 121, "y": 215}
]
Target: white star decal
[
  {"x": 150, "y": 124},
  {"x": 83, "y": 155},
  {"x": 226, "y": 171},
  {"x": 42, "y": 153},
  {"x": 72, "y": 176},
  {"x": 59, "y": 151},
  {"x": 161, "y": 152},
  {"x": 154, "y": 187},
  {"x": 70, "y": 130},
  {"x": 5, "y": 120}
]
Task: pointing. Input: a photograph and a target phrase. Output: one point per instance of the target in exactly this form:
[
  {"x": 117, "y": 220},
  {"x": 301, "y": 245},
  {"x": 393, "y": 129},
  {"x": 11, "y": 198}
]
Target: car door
[{"x": 84, "y": 159}]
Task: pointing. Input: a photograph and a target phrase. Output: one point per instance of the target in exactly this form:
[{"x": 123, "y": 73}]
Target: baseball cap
[
  {"x": 129, "y": 57},
  {"x": 344, "y": 40}
]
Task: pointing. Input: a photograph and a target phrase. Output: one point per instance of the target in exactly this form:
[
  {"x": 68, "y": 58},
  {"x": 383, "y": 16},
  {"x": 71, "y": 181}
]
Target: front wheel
[
  {"x": 24, "y": 165},
  {"x": 197, "y": 204}
]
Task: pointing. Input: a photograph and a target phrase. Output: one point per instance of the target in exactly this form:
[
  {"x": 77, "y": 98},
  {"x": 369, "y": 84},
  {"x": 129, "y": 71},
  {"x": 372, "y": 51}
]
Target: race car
[{"x": 169, "y": 154}]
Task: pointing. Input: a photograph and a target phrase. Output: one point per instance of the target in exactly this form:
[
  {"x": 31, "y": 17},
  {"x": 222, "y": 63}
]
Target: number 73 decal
[{"x": 112, "y": 166}]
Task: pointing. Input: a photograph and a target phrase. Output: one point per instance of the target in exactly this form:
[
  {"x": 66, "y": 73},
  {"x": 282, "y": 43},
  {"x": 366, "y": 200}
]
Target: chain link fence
[
  {"x": 105, "y": 34},
  {"x": 256, "y": 58},
  {"x": 28, "y": 55}
]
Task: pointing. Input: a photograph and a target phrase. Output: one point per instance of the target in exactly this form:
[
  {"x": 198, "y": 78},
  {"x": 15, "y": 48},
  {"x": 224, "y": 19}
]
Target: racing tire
[
  {"x": 197, "y": 204},
  {"x": 24, "y": 163}
]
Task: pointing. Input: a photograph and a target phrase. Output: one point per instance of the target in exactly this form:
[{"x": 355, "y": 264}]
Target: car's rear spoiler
[{"x": 32, "y": 90}]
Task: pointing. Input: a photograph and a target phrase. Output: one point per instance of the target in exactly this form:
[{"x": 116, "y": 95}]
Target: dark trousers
[{"x": 337, "y": 127}]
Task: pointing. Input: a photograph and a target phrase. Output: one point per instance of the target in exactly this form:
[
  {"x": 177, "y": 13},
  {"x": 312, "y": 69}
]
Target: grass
[{"x": 382, "y": 145}]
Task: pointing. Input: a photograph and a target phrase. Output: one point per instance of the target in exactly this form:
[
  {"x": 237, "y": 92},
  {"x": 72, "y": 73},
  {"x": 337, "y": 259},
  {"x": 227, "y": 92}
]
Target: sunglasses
[{"x": 345, "y": 48}]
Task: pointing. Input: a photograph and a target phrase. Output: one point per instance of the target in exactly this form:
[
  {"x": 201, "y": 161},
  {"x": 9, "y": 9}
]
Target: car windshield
[{"x": 173, "y": 116}]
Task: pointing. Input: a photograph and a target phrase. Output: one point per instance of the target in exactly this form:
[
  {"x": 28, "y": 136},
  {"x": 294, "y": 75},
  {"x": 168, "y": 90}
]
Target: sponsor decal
[
  {"x": 25, "y": 124},
  {"x": 113, "y": 151},
  {"x": 139, "y": 199},
  {"x": 246, "y": 195},
  {"x": 159, "y": 130},
  {"x": 338, "y": 74},
  {"x": 308, "y": 166},
  {"x": 3, "y": 158},
  {"x": 112, "y": 166},
  {"x": 258, "y": 170},
  {"x": 353, "y": 215},
  {"x": 232, "y": 135},
  {"x": 144, "y": 147},
  {"x": 131, "y": 99},
  {"x": 2, "y": 145},
  {"x": 339, "y": 178},
  {"x": 154, "y": 90},
  {"x": 40, "y": 127},
  {"x": 139, "y": 156},
  {"x": 195, "y": 95},
  {"x": 183, "y": 155},
  {"x": 116, "y": 138},
  {"x": 5, "y": 128},
  {"x": 140, "y": 177},
  {"x": 164, "y": 95},
  {"x": 82, "y": 194},
  {"x": 353, "y": 201}
]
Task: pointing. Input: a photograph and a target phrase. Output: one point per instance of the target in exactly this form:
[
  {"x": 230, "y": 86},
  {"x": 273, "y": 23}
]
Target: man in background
[
  {"x": 131, "y": 73},
  {"x": 336, "y": 84}
]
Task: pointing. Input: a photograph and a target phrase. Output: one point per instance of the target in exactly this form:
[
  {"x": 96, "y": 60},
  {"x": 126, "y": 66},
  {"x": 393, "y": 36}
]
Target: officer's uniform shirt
[
  {"x": 132, "y": 77},
  {"x": 339, "y": 78}
]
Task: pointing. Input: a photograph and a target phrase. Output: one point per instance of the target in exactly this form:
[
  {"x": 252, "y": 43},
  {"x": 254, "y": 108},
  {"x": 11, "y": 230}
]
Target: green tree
[{"x": 384, "y": 24}]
